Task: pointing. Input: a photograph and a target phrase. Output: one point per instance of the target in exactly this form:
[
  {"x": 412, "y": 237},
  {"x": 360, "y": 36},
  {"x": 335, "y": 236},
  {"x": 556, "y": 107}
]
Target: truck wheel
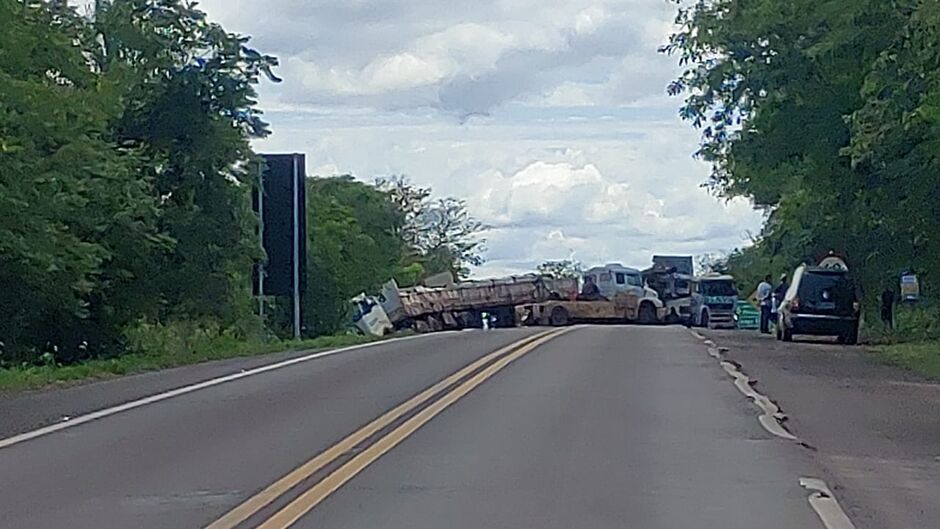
[
  {"x": 705, "y": 320},
  {"x": 647, "y": 315},
  {"x": 559, "y": 317},
  {"x": 435, "y": 324}
]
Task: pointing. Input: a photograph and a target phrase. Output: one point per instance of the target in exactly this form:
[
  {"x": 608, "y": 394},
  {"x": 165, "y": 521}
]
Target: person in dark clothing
[
  {"x": 776, "y": 297},
  {"x": 781, "y": 289},
  {"x": 887, "y": 308}
]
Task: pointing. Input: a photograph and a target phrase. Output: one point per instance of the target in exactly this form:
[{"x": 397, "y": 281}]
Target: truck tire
[
  {"x": 559, "y": 317},
  {"x": 705, "y": 323},
  {"x": 469, "y": 320},
  {"x": 435, "y": 324},
  {"x": 647, "y": 314}
]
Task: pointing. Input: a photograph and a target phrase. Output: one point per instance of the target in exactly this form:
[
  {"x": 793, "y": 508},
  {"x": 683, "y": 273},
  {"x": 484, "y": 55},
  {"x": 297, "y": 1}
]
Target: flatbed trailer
[
  {"x": 622, "y": 309},
  {"x": 461, "y": 306}
]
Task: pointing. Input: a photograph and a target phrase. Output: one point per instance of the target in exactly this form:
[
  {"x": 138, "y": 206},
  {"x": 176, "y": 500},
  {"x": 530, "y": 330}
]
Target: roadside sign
[{"x": 910, "y": 287}]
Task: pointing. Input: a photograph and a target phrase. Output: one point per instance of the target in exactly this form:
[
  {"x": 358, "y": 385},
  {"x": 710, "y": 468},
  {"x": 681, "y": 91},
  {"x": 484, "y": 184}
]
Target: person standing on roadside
[
  {"x": 764, "y": 293},
  {"x": 781, "y": 291},
  {"x": 777, "y": 298},
  {"x": 887, "y": 308}
]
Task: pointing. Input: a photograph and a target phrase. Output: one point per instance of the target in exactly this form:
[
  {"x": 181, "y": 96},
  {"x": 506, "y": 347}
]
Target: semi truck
[
  {"x": 671, "y": 278},
  {"x": 621, "y": 298},
  {"x": 470, "y": 304},
  {"x": 714, "y": 301}
]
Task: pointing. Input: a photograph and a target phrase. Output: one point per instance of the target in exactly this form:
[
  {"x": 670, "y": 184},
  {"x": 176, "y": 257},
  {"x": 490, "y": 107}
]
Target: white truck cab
[{"x": 614, "y": 278}]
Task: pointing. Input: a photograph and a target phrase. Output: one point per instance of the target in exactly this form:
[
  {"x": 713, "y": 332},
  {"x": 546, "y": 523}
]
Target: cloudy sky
[{"x": 549, "y": 117}]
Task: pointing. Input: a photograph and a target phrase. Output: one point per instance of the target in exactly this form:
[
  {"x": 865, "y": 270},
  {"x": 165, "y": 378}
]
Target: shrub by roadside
[
  {"x": 155, "y": 347},
  {"x": 914, "y": 343}
]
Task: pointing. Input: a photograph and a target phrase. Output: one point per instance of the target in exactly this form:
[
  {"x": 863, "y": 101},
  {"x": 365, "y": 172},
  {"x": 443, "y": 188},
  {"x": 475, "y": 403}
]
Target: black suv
[{"x": 820, "y": 301}]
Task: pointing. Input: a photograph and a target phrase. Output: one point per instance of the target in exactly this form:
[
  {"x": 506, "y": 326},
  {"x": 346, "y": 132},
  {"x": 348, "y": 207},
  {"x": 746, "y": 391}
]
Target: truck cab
[
  {"x": 614, "y": 278},
  {"x": 671, "y": 278},
  {"x": 714, "y": 301}
]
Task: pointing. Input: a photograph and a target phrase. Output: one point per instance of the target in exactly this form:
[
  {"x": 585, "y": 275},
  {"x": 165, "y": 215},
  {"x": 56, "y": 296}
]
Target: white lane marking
[
  {"x": 826, "y": 505},
  {"x": 697, "y": 334},
  {"x": 772, "y": 416},
  {"x": 714, "y": 352},
  {"x": 93, "y": 416}
]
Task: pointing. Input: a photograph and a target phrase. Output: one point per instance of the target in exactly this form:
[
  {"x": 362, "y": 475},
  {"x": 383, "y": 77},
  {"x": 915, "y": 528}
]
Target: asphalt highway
[{"x": 582, "y": 427}]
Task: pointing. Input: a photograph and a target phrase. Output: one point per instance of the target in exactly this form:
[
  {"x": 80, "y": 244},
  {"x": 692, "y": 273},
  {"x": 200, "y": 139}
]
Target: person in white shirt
[{"x": 764, "y": 293}]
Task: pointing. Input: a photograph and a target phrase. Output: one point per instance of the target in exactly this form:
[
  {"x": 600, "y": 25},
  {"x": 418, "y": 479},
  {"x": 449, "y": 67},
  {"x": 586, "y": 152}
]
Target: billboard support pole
[
  {"x": 261, "y": 267},
  {"x": 296, "y": 186}
]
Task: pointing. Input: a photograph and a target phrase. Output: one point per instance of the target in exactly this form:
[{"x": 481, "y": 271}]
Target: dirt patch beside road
[{"x": 875, "y": 428}]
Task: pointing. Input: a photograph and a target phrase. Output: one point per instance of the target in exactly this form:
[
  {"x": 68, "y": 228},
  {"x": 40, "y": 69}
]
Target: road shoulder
[
  {"x": 874, "y": 428},
  {"x": 29, "y": 410}
]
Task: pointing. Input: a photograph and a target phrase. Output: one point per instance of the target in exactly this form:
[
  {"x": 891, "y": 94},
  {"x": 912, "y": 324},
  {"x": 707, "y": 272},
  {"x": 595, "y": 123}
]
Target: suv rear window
[{"x": 826, "y": 292}]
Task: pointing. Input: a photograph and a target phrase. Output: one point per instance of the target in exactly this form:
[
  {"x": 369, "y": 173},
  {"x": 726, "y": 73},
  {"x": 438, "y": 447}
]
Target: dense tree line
[
  {"x": 827, "y": 114},
  {"x": 125, "y": 189},
  {"x": 361, "y": 235}
]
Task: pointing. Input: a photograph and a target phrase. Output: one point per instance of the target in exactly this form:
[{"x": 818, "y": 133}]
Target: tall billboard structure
[{"x": 280, "y": 201}]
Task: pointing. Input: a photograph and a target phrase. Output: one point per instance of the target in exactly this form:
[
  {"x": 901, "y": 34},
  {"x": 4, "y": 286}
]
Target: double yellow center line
[{"x": 478, "y": 372}]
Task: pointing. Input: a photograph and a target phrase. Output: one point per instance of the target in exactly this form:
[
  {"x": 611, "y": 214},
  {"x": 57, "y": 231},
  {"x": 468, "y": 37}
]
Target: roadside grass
[
  {"x": 163, "y": 356},
  {"x": 913, "y": 344},
  {"x": 919, "y": 357}
]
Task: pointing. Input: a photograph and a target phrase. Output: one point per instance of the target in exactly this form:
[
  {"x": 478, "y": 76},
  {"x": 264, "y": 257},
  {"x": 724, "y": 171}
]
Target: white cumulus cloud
[{"x": 548, "y": 117}]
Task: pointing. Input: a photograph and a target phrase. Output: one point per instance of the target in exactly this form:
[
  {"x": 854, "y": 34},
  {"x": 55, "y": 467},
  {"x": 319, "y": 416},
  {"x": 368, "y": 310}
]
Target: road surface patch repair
[
  {"x": 821, "y": 498},
  {"x": 772, "y": 418},
  {"x": 825, "y": 504}
]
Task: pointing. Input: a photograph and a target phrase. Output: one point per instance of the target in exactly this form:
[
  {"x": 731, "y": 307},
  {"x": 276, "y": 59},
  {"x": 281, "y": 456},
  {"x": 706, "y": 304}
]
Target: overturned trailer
[{"x": 461, "y": 306}]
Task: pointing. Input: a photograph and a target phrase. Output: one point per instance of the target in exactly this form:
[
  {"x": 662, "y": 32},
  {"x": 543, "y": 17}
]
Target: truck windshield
[{"x": 718, "y": 288}]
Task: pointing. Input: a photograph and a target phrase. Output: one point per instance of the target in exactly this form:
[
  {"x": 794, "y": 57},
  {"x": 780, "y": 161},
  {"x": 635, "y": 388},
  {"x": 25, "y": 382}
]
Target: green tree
[
  {"x": 895, "y": 138},
  {"x": 74, "y": 215},
  {"x": 442, "y": 234},
  {"x": 188, "y": 89},
  {"x": 781, "y": 91},
  {"x": 123, "y": 148},
  {"x": 353, "y": 246},
  {"x": 564, "y": 269}
]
